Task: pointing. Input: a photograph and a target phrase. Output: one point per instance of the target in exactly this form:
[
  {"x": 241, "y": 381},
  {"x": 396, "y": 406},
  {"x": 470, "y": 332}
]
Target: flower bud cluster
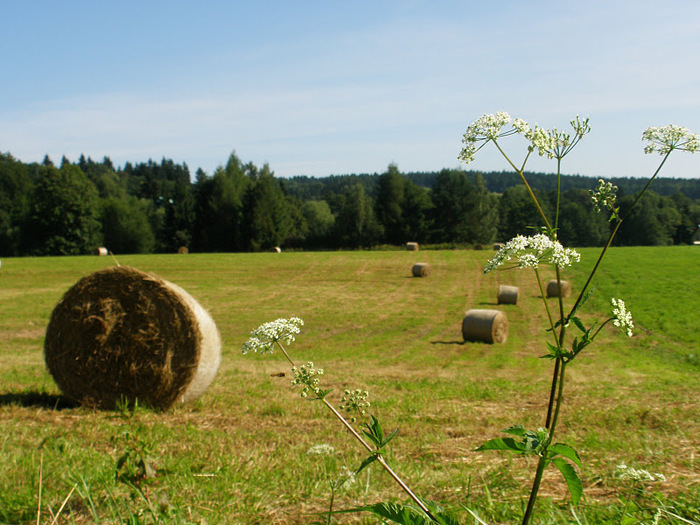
[
  {"x": 665, "y": 139},
  {"x": 264, "y": 337},
  {"x": 637, "y": 475},
  {"x": 533, "y": 251},
  {"x": 355, "y": 402},
  {"x": 604, "y": 196},
  {"x": 623, "y": 318},
  {"x": 307, "y": 376},
  {"x": 487, "y": 127}
]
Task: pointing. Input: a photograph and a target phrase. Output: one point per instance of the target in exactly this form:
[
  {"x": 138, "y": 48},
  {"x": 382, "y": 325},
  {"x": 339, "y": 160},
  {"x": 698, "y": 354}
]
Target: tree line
[{"x": 74, "y": 207}]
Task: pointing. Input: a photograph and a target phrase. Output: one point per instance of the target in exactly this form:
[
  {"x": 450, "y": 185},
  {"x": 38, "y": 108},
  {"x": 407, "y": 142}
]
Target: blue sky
[{"x": 321, "y": 87}]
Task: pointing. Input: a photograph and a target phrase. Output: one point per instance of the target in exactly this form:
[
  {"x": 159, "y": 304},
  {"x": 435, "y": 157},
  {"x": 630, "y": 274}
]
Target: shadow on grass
[
  {"x": 447, "y": 342},
  {"x": 37, "y": 400}
]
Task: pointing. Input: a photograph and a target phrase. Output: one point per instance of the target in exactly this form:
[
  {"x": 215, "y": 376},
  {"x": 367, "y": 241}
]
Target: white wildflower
[
  {"x": 307, "y": 376},
  {"x": 486, "y": 128},
  {"x": 355, "y": 402},
  {"x": 665, "y": 139},
  {"x": 321, "y": 449},
  {"x": 623, "y": 318},
  {"x": 604, "y": 196},
  {"x": 533, "y": 251},
  {"x": 346, "y": 479},
  {"x": 626, "y": 473},
  {"x": 555, "y": 144},
  {"x": 264, "y": 337}
]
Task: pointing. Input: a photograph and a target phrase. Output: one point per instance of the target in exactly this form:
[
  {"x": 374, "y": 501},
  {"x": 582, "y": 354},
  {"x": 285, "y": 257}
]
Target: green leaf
[
  {"x": 553, "y": 350},
  {"x": 503, "y": 444},
  {"x": 562, "y": 449},
  {"x": 404, "y": 514},
  {"x": 389, "y": 438},
  {"x": 367, "y": 462},
  {"x": 572, "y": 479},
  {"x": 516, "y": 430},
  {"x": 578, "y": 324}
]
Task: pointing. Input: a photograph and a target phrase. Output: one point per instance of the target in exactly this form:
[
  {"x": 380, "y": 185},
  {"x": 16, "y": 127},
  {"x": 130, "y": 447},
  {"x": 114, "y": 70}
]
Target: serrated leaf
[
  {"x": 562, "y": 449},
  {"x": 366, "y": 463},
  {"x": 578, "y": 324},
  {"x": 503, "y": 444},
  {"x": 516, "y": 430},
  {"x": 391, "y": 436},
  {"x": 572, "y": 479}
]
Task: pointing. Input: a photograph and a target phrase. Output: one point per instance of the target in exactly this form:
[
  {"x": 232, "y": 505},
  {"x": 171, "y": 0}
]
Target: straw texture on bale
[
  {"x": 412, "y": 246},
  {"x": 507, "y": 294},
  {"x": 422, "y": 270},
  {"x": 488, "y": 326},
  {"x": 101, "y": 251},
  {"x": 183, "y": 250},
  {"x": 120, "y": 333},
  {"x": 553, "y": 290}
]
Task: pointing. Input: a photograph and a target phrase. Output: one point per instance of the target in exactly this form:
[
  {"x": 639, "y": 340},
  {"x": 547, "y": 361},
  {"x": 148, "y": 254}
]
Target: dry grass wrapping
[
  {"x": 554, "y": 291},
  {"x": 488, "y": 326},
  {"x": 507, "y": 294},
  {"x": 412, "y": 246},
  {"x": 101, "y": 251},
  {"x": 422, "y": 270},
  {"x": 121, "y": 333}
]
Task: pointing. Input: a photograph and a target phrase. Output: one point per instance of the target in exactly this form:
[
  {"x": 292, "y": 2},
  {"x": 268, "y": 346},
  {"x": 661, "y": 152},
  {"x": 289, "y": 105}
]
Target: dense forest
[{"x": 74, "y": 207}]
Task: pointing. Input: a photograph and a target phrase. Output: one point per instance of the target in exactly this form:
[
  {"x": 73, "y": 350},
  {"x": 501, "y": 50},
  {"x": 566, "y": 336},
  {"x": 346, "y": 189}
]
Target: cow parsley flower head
[
  {"x": 264, "y": 337},
  {"x": 355, "y": 402},
  {"x": 626, "y": 473},
  {"x": 666, "y": 139},
  {"x": 346, "y": 478},
  {"x": 556, "y": 144},
  {"x": 486, "y": 128},
  {"x": 532, "y": 251},
  {"x": 623, "y": 318},
  {"x": 604, "y": 196},
  {"x": 321, "y": 449},
  {"x": 307, "y": 376}
]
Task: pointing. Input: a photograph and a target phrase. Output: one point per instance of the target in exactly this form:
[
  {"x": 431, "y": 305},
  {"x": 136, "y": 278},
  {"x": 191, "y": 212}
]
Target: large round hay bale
[
  {"x": 553, "y": 290},
  {"x": 422, "y": 270},
  {"x": 120, "y": 333},
  {"x": 507, "y": 294},
  {"x": 412, "y": 246},
  {"x": 277, "y": 249},
  {"x": 183, "y": 250},
  {"x": 488, "y": 326},
  {"x": 100, "y": 251}
]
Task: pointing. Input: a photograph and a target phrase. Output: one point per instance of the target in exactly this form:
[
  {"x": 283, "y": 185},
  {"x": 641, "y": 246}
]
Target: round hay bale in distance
[
  {"x": 488, "y": 326},
  {"x": 277, "y": 249},
  {"x": 497, "y": 246},
  {"x": 554, "y": 291},
  {"x": 422, "y": 270},
  {"x": 120, "y": 334},
  {"x": 100, "y": 251},
  {"x": 507, "y": 294},
  {"x": 412, "y": 246},
  {"x": 183, "y": 249}
]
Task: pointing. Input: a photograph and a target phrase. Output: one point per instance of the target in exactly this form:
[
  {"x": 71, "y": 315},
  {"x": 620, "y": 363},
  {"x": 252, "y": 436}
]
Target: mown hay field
[{"x": 239, "y": 454}]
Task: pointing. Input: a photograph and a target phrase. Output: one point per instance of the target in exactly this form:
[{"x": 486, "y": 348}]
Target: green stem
[
  {"x": 380, "y": 458},
  {"x": 556, "y": 215},
  {"x": 521, "y": 173}
]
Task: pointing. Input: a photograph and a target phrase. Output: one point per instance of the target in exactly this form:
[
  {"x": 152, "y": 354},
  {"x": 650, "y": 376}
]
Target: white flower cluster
[
  {"x": 604, "y": 196},
  {"x": 355, "y": 401},
  {"x": 264, "y": 337},
  {"x": 346, "y": 478},
  {"x": 487, "y": 127},
  {"x": 553, "y": 143},
  {"x": 623, "y": 318},
  {"x": 322, "y": 449},
  {"x": 533, "y": 251},
  {"x": 665, "y": 139},
  {"x": 307, "y": 376},
  {"x": 637, "y": 475}
]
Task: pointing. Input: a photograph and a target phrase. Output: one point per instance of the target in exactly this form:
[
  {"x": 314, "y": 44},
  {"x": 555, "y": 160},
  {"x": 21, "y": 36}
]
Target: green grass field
[{"x": 239, "y": 453}]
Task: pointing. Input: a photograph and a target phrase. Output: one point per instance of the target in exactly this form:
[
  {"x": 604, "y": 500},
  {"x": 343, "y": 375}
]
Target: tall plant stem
[
  {"x": 556, "y": 214},
  {"x": 542, "y": 463},
  {"x": 521, "y": 173},
  {"x": 380, "y": 458}
]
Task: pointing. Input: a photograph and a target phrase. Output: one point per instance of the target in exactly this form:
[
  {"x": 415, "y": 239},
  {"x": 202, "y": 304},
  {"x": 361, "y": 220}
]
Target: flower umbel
[
  {"x": 264, "y": 337},
  {"x": 533, "y": 251},
  {"x": 637, "y": 475},
  {"x": 604, "y": 196},
  {"x": 666, "y": 139},
  {"x": 486, "y": 128},
  {"x": 307, "y": 376},
  {"x": 321, "y": 449},
  {"x": 623, "y": 318},
  {"x": 355, "y": 402}
]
